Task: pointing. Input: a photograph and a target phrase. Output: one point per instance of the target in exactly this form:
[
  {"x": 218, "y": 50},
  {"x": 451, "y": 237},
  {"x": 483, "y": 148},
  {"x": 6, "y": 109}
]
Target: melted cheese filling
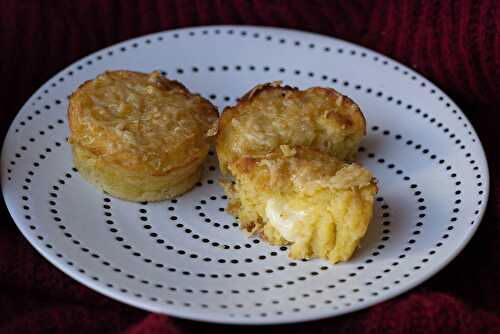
[{"x": 284, "y": 219}]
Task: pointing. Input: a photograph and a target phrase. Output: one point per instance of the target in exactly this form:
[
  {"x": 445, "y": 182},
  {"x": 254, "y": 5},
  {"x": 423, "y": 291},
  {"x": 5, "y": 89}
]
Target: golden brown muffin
[
  {"x": 139, "y": 136},
  {"x": 317, "y": 203},
  {"x": 271, "y": 115}
]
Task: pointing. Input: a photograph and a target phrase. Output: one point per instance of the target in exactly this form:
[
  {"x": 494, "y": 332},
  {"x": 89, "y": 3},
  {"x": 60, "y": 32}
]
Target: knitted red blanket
[{"x": 456, "y": 44}]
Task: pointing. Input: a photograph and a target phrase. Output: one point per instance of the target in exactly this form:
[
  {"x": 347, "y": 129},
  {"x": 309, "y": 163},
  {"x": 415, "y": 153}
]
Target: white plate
[{"x": 187, "y": 257}]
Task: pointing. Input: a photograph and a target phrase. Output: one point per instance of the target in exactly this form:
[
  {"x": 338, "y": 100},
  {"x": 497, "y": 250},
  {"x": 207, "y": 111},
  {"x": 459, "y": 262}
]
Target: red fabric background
[{"x": 454, "y": 43}]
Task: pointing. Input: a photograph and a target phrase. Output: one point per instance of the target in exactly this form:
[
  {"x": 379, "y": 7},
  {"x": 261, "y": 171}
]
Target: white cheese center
[{"x": 284, "y": 219}]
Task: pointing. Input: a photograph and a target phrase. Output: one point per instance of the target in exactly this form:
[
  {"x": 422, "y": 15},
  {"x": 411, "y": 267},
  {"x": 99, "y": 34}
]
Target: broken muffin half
[{"x": 318, "y": 204}]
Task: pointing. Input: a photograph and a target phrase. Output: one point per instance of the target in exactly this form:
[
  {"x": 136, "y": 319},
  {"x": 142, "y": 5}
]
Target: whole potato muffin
[
  {"x": 271, "y": 115},
  {"x": 139, "y": 136}
]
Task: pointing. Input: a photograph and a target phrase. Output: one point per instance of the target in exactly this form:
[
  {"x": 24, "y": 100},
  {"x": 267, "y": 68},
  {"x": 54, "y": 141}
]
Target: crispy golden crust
[
  {"x": 143, "y": 125},
  {"x": 334, "y": 199},
  {"x": 271, "y": 115}
]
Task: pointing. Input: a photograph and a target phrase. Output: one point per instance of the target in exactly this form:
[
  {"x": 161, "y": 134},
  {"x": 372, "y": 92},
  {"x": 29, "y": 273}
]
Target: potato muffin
[
  {"x": 139, "y": 136},
  {"x": 271, "y": 115},
  {"x": 303, "y": 197}
]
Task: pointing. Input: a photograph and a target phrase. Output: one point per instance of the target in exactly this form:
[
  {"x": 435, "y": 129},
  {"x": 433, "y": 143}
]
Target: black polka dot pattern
[{"x": 181, "y": 244}]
